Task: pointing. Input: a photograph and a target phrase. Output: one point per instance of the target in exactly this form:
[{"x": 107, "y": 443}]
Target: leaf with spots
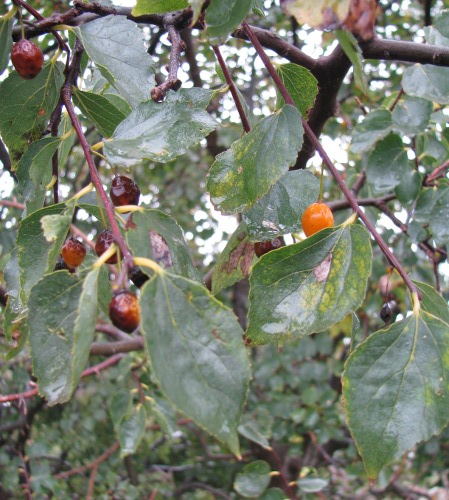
[
  {"x": 197, "y": 354},
  {"x": 307, "y": 287},
  {"x": 396, "y": 384}
]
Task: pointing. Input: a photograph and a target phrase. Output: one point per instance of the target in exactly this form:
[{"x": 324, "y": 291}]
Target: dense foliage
[{"x": 153, "y": 347}]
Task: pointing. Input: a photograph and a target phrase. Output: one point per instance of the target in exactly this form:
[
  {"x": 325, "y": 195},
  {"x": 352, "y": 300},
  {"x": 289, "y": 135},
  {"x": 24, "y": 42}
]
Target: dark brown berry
[
  {"x": 137, "y": 276},
  {"x": 27, "y": 58},
  {"x": 60, "y": 264},
  {"x": 124, "y": 311},
  {"x": 386, "y": 313},
  {"x": 263, "y": 247},
  {"x": 104, "y": 241},
  {"x": 73, "y": 252},
  {"x": 124, "y": 191}
]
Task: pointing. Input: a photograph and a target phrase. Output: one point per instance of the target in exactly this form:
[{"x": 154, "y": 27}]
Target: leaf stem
[
  {"x": 151, "y": 264},
  {"x": 328, "y": 162}
]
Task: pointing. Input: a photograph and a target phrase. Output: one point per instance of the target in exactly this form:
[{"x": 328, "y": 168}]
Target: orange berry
[
  {"x": 124, "y": 311},
  {"x": 316, "y": 217},
  {"x": 73, "y": 252}
]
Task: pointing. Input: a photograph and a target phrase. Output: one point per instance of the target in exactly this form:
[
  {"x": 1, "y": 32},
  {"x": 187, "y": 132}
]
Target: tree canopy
[{"x": 223, "y": 249}]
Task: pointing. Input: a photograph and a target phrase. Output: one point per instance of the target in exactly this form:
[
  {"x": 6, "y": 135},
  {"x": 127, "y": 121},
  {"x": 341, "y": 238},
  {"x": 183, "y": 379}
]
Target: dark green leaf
[
  {"x": 272, "y": 494},
  {"x": 6, "y": 23},
  {"x": 26, "y": 105},
  {"x": 222, "y": 18},
  {"x": 250, "y": 431},
  {"x": 14, "y": 311},
  {"x": 62, "y": 315},
  {"x": 409, "y": 187},
  {"x": 306, "y": 287},
  {"x": 375, "y": 126},
  {"x": 428, "y": 82},
  {"x": 69, "y": 139},
  {"x": 432, "y": 208},
  {"x": 301, "y": 85},
  {"x": 131, "y": 430},
  {"x": 119, "y": 103},
  {"x": 162, "y": 131},
  {"x": 280, "y": 211},
  {"x": 432, "y": 302},
  {"x": 144, "y": 7},
  {"x": 197, "y": 354},
  {"x": 119, "y": 406},
  {"x": 131, "y": 70},
  {"x": 247, "y": 170},
  {"x": 156, "y": 236},
  {"x": 395, "y": 388},
  {"x": 411, "y": 115},
  {"x": 387, "y": 164},
  {"x": 253, "y": 480},
  {"x": 99, "y": 110},
  {"x": 234, "y": 263},
  {"x": 352, "y": 49}
]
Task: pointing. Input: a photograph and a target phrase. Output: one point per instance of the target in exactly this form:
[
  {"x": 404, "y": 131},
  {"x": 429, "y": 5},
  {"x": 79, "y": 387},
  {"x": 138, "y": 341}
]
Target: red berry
[
  {"x": 124, "y": 191},
  {"x": 104, "y": 241},
  {"x": 316, "y": 217},
  {"x": 263, "y": 247},
  {"x": 124, "y": 311},
  {"x": 73, "y": 252},
  {"x": 27, "y": 58}
]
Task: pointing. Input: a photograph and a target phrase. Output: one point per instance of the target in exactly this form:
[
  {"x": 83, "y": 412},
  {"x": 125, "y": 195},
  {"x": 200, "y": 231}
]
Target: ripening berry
[
  {"x": 124, "y": 191},
  {"x": 27, "y": 58},
  {"x": 124, "y": 311},
  {"x": 386, "y": 313},
  {"x": 263, "y": 247},
  {"x": 73, "y": 252},
  {"x": 104, "y": 241},
  {"x": 316, "y": 217}
]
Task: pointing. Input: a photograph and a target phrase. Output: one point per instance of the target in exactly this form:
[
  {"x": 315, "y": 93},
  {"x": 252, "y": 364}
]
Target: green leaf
[
  {"x": 250, "y": 431},
  {"x": 234, "y": 262},
  {"x": 144, "y": 7},
  {"x": 306, "y": 287},
  {"x": 54, "y": 225},
  {"x": 156, "y": 236},
  {"x": 197, "y": 6},
  {"x": 118, "y": 102},
  {"x": 428, "y": 82},
  {"x": 6, "y": 23},
  {"x": 36, "y": 255},
  {"x": 69, "y": 140},
  {"x": 411, "y": 115},
  {"x": 245, "y": 172},
  {"x": 272, "y": 494},
  {"x": 131, "y": 430},
  {"x": 409, "y": 187},
  {"x": 352, "y": 49},
  {"x": 432, "y": 208},
  {"x": 62, "y": 314},
  {"x": 131, "y": 70},
  {"x": 301, "y": 85},
  {"x": 387, "y": 164},
  {"x": 222, "y": 18},
  {"x": 162, "y": 131},
  {"x": 253, "y": 480},
  {"x": 119, "y": 406},
  {"x": 14, "y": 310},
  {"x": 432, "y": 302},
  {"x": 197, "y": 354},
  {"x": 99, "y": 110},
  {"x": 312, "y": 484},
  {"x": 26, "y": 106},
  {"x": 280, "y": 210},
  {"x": 375, "y": 126},
  {"x": 395, "y": 388}
]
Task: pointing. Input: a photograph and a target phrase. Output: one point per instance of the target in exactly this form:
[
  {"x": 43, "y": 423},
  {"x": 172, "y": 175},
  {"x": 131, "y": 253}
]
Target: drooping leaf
[
  {"x": 306, "y": 287},
  {"x": 352, "y": 49},
  {"x": 250, "y": 431},
  {"x": 280, "y": 210},
  {"x": 411, "y": 115},
  {"x": 301, "y": 85},
  {"x": 131, "y": 70},
  {"x": 253, "y": 480},
  {"x": 26, "y": 105},
  {"x": 155, "y": 235},
  {"x": 322, "y": 14},
  {"x": 62, "y": 314},
  {"x": 131, "y": 430},
  {"x": 247, "y": 170},
  {"x": 144, "y": 7},
  {"x": 387, "y": 163},
  {"x": 36, "y": 255},
  {"x": 432, "y": 208},
  {"x": 197, "y": 354},
  {"x": 234, "y": 262},
  {"x": 428, "y": 82},
  {"x": 312, "y": 484},
  {"x": 375, "y": 126},
  {"x": 395, "y": 388},
  {"x": 222, "y": 18},
  {"x": 162, "y": 131},
  {"x": 100, "y": 110},
  {"x": 409, "y": 187},
  {"x": 6, "y": 23}
]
